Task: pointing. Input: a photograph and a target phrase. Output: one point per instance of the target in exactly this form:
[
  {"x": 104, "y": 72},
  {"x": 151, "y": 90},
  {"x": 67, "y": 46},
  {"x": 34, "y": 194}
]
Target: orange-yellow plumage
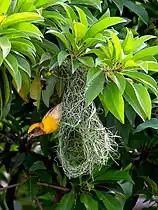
[
  {"x": 49, "y": 124},
  {"x": 33, "y": 126}
]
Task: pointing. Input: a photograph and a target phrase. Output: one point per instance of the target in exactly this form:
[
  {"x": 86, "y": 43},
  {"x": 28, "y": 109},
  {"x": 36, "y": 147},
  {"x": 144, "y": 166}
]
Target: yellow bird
[{"x": 49, "y": 124}]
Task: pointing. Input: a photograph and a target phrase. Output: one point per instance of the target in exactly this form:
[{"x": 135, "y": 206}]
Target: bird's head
[
  {"x": 35, "y": 130},
  {"x": 49, "y": 124}
]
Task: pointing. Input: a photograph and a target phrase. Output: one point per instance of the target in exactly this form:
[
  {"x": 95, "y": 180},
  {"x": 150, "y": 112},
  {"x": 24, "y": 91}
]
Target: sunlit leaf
[
  {"x": 102, "y": 25},
  {"x": 138, "y": 41},
  {"x": 20, "y": 17},
  {"x": 147, "y": 80},
  {"x": 12, "y": 65},
  {"x": 29, "y": 29},
  {"x": 114, "y": 101},
  {"x": 144, "y": 99},
  {"x": 117, "y": 47},
  {"x": 80, "y": 30},
  {"x": 128, "y": 42},
  {"x": 134, "y": 99},
  {"x": 4, "y": 5},
  {"x": 82, "y": 15},
  {"x": 5, "y": 45},
  {"x": 119, "y": 80},
  {"x": 150, "y": 51}
]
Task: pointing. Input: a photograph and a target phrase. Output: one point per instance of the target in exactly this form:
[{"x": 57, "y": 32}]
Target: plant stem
[{"x": 54, "y": 186}]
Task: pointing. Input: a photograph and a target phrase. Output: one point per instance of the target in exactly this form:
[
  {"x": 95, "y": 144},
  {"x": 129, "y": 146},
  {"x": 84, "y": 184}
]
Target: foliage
[{"x": 37, "y": 40}]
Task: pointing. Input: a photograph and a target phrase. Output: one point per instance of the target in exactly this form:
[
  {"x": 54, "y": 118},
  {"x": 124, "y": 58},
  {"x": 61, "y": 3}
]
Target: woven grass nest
[{"x": 83, "y": 141}]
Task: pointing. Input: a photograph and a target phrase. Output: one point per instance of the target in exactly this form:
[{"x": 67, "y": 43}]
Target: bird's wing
[{"x": 55, "y": 112}]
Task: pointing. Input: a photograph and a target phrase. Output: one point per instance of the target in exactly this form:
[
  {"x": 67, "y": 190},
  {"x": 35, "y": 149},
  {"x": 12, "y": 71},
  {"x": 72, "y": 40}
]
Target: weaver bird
[{"x": 49, "y": 124}]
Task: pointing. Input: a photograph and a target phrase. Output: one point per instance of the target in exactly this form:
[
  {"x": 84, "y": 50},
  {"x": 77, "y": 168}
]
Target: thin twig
[
  {"x": 38, "y": 203},
  {"x": 39, "y": 183},
  {"x": 54, "y": 186},
  {"x": 10, "y": 186}
]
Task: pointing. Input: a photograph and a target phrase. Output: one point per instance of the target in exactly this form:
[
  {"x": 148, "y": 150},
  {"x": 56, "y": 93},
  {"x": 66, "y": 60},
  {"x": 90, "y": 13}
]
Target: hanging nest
[{"x": 83, "y": 141}]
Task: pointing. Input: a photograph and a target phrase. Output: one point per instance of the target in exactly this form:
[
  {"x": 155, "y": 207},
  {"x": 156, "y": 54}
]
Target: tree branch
[
  {"x": 39, "y": 183},
  {"x": 54, "y": 186},
  {"x": 10, "y": 186},
  {"x": 38, "y": 203}
]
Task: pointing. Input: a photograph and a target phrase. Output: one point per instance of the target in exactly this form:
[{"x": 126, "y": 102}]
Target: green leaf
[
  {"x": 26, "y": 43},
  {"x": 47, "y": 3},
  {"x": 5, "y": 45},
  {"x": 82, "y": 15},
  {"x": 114, "y": 101},
  {"x": 35, "y": 90},
  {"x": 101, "y": 25},
  {"x": 60, "y": 36},
  {"x": 1, "y": 58},
  {"x": 127, "y": 44},
  {"x": 75, "y": 65},
  {"x": 119, "y": 4},
  {"x": 119, "y": 80},
  {"x": 38, "y": 165},
  {"x": 149, "y": 66},
  {"x": 117, "y": 46},
  {"x": 11, "y": 64},
  {"x": 20, "y": 17},
  {"x": 144, "y": 99},
  {"x": 101, "y": 97},
  {"x": 53, "y": 15},
  {"x": 109, "y": 201},
  {"x": 113, "y": 175},
  {"x": 87, "y": 61},
  {"x": 62, "y": 56},
  {"x": 4, "y": 5},
  {"x": 25, "y": 88},
  {"x": 70, "y": 13},
  {"x": 150, "y": 51},
  {"x": 29, "y": 29},
  {"x": 134, "y": 99},
  {"x": 6, "y": 87},
  {"x": 137, "y": 42},
  {"x": 93, "y": 3},
  {"x": 152, "y": 123},
  {"x": 47, "y": 93},
  {"x": 24, "y": 48},
  {"x": 94, "y": 84},
  {"x": 17, "y": 160},
  {"x": 1, "y": 104},
  {"x": 147, "y": 80},
  {"x": 79, "y": 30},
  {"x": 137, "y": 9},
  {"x": 23, "y": 64},
  {"x": 67, "y": 202},
  {"x": 89, "y": 202}
]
